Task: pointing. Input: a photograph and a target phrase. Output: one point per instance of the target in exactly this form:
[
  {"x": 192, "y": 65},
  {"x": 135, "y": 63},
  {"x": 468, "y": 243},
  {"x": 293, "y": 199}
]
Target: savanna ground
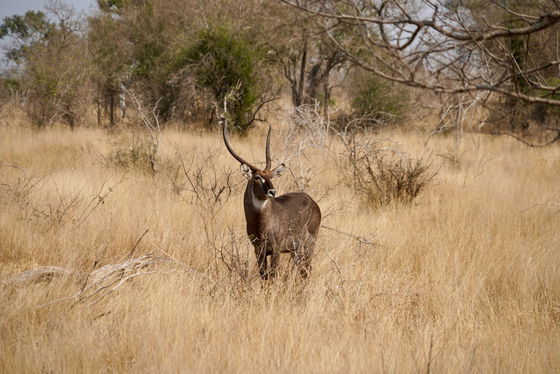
[{"x": 464, "y": 279}]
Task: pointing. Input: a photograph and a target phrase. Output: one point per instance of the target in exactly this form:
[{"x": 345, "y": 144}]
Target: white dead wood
[
  {"x": 150, "y": 120},
  {"x": 42, "y": 274},
  {"x": 102, "y": 282}
]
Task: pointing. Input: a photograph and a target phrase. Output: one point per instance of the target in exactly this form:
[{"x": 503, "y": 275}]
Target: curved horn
[
  {"x": 228, "y": 146},
  {"x": 268, "y": 160}
]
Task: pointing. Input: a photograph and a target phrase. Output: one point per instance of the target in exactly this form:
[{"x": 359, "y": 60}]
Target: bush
[
  {"x": 225, "y": 62},
  {"x": 376, "y": 96},
  {"x": 375, "y": 104},
  {"x": 383, "y": 175},
  {"x": 136, "y": 155}
]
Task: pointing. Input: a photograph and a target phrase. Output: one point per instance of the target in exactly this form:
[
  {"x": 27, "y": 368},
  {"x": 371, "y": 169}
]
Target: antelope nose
[{"x": 271, "y": 192}]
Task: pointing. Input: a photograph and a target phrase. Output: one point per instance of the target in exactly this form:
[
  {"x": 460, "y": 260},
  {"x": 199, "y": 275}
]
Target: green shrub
[
  {"x": 376, "y": 103},
  {"x": 224, "y": 62}
]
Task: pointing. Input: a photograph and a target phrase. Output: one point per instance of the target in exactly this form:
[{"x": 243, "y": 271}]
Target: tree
[
  {"x": 225, "y": 62},
  {"x": 438, "y": 45},
  {"x": 53, "y": 67},
  {"x": 33, "y": 27},
  {"x": 111, "y": 58},
  {"x": 449, "y": 46},
  {"x": 305, "y": 54}
]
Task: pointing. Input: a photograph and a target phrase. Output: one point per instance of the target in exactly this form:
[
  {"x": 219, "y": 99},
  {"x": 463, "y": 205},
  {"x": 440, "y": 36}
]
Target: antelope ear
[
  {"x": 278, "y": 171},
  {"x": 246, "y": 171}
]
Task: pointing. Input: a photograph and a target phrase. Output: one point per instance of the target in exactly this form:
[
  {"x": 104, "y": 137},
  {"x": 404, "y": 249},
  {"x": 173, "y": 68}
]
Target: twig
[
  {"x": 185, "y": 267},
  {"x": 540, "y": 204},
  {"x": 526, "y": 142},
  {"x": 361, "y": 239},
  {"x": 89, "y": 274},
  {"x": 100, "y": 199},
  {"x": 137, "y": 242},
  {"x": 331, "y": 259},
  {"x": 15, "y": 167}
]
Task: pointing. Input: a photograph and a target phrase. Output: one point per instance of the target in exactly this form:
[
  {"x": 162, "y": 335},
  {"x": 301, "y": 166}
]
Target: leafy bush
[
  {"x": 224, "y": 62},
  {"x": 376, "y": 96},
  {"x": 375, "y": 104}
]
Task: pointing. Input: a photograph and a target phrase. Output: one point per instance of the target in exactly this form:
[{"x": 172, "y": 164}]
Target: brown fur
[{"x": 288, "y": 223}]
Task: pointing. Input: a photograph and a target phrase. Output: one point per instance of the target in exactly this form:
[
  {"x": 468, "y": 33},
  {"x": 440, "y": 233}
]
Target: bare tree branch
[{"x": 446, "y": 48}]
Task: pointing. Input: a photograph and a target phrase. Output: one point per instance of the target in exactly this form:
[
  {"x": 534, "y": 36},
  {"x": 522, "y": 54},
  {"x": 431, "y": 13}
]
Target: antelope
[{"x": 283, "y": 224}]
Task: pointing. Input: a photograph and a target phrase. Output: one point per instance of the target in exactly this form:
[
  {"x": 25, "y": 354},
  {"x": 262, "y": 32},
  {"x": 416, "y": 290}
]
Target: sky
[{"x": 11, "y": 7}]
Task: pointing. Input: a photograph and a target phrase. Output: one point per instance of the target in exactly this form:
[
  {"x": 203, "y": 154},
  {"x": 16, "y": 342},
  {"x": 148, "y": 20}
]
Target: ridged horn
[
  {"x": 267, "y": 150},
  {"x": 230, "y": 149}
]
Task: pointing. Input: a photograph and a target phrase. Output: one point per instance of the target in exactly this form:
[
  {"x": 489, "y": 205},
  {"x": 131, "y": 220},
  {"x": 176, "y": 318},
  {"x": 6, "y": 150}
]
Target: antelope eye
[{"x": 258, "y": 178}]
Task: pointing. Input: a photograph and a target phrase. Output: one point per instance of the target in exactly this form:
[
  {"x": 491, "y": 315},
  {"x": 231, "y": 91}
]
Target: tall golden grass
[{"x": 466, "y": 279}]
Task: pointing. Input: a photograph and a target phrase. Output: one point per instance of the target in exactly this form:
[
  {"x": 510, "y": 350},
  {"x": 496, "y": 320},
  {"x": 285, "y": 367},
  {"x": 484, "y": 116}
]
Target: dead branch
[
  {"x": 362, "y": 240},
  {"x": 137, "y": 242},
  {"x": 102, "y": 282},
  {"x": 150, "y": 119},
  {"x": 441, "y": 46},
  {"x": 41, "y": 274},
  {"x": 525, "y": 141},
  {"x": 15, "y": 167}
]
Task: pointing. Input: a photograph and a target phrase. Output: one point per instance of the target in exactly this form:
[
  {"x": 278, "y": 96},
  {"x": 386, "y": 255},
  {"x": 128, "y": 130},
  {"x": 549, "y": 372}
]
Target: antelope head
[{"x": 260, "y": 180}]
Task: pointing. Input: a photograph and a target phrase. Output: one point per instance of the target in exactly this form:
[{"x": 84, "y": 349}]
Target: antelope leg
[
  {"x": 274, "y": 258},
  {"x": 261, "y": 261}
]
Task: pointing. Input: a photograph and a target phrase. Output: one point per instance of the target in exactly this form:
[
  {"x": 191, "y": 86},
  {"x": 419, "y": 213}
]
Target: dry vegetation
[{"x": 464, "y": 279}]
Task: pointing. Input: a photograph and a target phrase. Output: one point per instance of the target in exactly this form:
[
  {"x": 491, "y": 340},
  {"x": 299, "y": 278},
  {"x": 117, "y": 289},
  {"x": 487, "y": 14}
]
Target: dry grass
[{"x": 466, "y": 279}]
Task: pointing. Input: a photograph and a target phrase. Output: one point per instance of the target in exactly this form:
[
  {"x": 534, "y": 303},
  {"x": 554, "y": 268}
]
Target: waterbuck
[{"x": 283, "y": 224}]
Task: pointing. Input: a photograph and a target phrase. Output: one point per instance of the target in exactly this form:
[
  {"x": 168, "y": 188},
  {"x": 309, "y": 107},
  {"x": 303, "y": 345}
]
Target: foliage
[
  {"x": 224, "y": 62},
  {"x": 11, "y": 84},
  {"x": 53, "y": 67},
  {"x": 24, "y": 27},
  {"x": 376, "y": 103},
  {"x": 26, "y": 30}
]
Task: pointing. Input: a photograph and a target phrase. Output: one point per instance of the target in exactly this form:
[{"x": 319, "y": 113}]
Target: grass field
[{"x": 465, "y": 279}]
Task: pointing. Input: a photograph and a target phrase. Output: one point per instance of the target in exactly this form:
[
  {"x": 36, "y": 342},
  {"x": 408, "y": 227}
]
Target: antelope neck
[{"x": 251, "y": 201}]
